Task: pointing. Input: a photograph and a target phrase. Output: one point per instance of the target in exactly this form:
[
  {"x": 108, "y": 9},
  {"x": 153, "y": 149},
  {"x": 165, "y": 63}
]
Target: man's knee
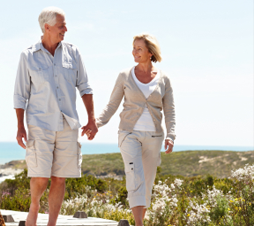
[
  {"x": 58, "y": 180},
  {"x": 38, "y": 184},
  {"x": 40, "y": 181}
]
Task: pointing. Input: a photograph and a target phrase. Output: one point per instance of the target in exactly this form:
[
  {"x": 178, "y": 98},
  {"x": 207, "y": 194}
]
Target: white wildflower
[
  {"x": 197, "y": 213},
  {"x": 245, "y": 174}
]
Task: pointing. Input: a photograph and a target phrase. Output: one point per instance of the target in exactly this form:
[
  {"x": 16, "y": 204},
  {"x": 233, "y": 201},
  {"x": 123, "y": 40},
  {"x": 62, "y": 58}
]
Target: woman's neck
[{"x": 145, "y": 67}]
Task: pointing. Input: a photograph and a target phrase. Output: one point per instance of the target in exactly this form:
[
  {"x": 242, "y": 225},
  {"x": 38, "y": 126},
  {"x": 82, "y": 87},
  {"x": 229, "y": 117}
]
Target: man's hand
[
  {"x": 20, "y": 135},
  {"x": 21, "y": 128},
  {"x": 169, "y": 146},
  {"x": 90, "y": 129}
]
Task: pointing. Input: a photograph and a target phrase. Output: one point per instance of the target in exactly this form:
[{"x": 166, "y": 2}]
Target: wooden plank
[{"x": 62, "y": 220}]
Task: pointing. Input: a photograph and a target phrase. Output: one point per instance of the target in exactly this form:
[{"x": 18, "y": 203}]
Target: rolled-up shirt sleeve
[
  {"x": 82, "y": 78},
  {"x": 22, "y": 84}
]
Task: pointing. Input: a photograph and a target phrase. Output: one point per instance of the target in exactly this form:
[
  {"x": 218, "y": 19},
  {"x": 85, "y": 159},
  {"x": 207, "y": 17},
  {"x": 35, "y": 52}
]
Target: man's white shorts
[{"x": 53, "y": 153}]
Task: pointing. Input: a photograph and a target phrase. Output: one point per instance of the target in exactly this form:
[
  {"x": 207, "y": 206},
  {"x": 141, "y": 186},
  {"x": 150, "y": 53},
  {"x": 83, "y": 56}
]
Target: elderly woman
[{"x": 146, "y": 91}]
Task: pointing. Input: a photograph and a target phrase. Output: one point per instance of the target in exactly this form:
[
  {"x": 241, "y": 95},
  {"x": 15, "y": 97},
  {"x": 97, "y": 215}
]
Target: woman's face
[{"x": 140, "y": 51}]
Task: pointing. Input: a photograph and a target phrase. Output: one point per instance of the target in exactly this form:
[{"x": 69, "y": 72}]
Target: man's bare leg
[
  {"x": 56, "y": 195},
  {"x": 144, "y": 213},
  {"x": 37, "y": 186}
]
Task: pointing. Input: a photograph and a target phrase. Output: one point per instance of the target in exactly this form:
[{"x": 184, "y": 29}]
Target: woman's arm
[
  {"x": 114, "y": 102},
  {"x": 169, "y": 111}
]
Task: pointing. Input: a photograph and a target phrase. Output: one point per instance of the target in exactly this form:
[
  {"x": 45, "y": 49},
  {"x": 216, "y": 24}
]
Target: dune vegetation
[
  {"x": 184, "y": 163},
  {"x": 177, "y": 200}
]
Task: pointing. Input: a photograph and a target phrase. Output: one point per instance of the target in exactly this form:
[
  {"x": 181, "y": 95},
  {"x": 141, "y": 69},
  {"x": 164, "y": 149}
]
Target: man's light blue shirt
[{"x": 46, "y": 85}]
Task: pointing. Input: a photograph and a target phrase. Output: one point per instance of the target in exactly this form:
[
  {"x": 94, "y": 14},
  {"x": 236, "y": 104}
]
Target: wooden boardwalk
[{"x": 62, "y": 220}]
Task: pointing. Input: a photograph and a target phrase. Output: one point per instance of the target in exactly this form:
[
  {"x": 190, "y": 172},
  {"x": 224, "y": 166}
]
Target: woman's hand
[
  {"x": 169, "y": 146},
  {"x": 90, "y": 129}
]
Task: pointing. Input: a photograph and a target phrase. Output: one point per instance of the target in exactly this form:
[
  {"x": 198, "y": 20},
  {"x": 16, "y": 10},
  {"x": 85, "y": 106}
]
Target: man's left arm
[
  {"x": 86, "y": 93},
  {"x": 91, "y": 128}
]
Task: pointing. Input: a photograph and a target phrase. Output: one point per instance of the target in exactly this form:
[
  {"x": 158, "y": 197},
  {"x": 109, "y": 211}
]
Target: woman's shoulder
[
  {"x": 125, "y": 73},
  {"x": 165, "y": 78},
  {"x": 163, "y": 75}
]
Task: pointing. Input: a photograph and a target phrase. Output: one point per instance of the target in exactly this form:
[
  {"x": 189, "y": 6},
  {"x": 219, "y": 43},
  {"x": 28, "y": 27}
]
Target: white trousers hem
[{"x": 137, "y": 201}]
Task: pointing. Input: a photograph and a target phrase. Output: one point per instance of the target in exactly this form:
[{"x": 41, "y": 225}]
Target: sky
[{"x": 207, "y": 51}]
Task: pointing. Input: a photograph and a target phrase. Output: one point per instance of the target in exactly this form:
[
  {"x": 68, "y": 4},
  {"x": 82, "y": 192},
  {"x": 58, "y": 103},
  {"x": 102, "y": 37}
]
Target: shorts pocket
[
  {"x": 121, "y": 137},
  {"x": 130, "y": 176},
  {"x": 31, "y": 156},
  {"x": 79, "y": 156}
]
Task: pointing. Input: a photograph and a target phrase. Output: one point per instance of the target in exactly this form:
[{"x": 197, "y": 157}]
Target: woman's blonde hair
[{"x": 152, "y": 45}]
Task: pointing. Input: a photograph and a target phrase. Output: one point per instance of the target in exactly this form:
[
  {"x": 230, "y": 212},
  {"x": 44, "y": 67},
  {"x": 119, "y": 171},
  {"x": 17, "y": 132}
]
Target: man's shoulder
[
  {"x": 32, "y": 48},
  {"x": 69, "y": 45},
  {"x": 71, "y": 49}
]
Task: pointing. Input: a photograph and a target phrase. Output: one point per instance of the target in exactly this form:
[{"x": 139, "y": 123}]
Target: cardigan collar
[{"x": 134, "y": 83}]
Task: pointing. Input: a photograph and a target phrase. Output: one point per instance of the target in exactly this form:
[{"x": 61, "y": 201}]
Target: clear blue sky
[{"x": 207, "y": 49}]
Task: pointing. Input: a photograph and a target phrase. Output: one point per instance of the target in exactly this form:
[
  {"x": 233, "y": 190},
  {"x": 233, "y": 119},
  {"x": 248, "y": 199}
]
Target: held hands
[
  {"x": 168, "y": 146},
  {"x": 20, "y": 135},
  {"x": 90, "y": 129}
]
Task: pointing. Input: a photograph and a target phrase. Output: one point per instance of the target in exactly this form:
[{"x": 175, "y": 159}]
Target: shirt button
[
  {"x": 57, "y": 87},
  {"x": 59, "y": 99},
  {"x": 54, "y": 64},
  {"x": 55, "y": 75}
]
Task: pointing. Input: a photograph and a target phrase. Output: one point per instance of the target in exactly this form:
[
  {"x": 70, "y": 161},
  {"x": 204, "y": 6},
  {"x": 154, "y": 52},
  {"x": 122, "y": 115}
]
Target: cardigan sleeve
[
  {"x": 114, "y": 102},
  {"x": 169, "y": 110}
]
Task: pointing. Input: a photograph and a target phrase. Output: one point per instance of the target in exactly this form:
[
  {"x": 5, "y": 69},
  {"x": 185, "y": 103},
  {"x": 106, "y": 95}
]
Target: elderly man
[{"x": 47, "y": 75}]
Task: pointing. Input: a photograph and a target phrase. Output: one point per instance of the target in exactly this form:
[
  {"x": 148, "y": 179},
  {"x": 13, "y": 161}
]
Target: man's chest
[{"x": 47, "y": 70}]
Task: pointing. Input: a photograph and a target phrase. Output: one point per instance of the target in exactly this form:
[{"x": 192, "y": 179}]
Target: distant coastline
[
  {"x": 8, "y": 173},
  {"x": 12, "y": 151}
]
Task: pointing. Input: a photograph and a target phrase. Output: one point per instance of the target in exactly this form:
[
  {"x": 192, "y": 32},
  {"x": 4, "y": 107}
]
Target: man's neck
[{"x": 49, "y": 44}]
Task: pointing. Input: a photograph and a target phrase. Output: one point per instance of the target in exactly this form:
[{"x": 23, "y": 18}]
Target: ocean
[{"x": 12, "y": 151}]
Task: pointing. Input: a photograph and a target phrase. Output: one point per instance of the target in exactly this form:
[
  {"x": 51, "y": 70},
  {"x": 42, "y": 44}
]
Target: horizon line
[{"x": 115, "y": 143}]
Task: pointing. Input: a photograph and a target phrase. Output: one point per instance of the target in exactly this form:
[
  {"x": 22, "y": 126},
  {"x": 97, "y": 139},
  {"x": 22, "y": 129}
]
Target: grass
[{"x": 184, "y": 163}]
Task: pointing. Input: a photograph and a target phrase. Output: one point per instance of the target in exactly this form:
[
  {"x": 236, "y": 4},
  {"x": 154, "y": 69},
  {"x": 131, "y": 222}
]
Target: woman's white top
[{"x": 145, "y": 121}]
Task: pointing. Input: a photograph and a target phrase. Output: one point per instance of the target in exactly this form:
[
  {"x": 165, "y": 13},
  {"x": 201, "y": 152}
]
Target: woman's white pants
[{"x": 141, "y": 155}]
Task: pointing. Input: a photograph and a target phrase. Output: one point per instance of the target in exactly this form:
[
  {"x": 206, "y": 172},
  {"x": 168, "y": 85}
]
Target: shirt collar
[{"x": 38, "y": 46}]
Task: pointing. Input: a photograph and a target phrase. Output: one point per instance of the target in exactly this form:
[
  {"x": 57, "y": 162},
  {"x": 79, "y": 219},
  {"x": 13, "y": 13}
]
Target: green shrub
[{"x": 228, "y": 201}]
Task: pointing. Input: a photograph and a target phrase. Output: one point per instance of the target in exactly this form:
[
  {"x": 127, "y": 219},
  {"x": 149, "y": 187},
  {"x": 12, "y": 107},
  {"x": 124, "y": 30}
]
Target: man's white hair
[{"x": 48, "y": 16}]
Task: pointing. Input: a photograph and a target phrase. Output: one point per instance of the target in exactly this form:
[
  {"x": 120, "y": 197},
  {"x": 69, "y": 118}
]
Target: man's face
[{"x": 57, "y": 31}]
